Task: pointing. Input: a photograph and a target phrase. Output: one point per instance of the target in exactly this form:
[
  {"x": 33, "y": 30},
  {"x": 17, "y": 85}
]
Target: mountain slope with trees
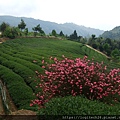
[
  {"x": 113, "y": 34},
  {"x": 66, "y": 28}
]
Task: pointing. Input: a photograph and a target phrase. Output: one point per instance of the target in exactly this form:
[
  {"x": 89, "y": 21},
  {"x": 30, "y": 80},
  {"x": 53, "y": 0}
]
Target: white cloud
[
  {"x": 103, "y": 14},
  {"x": 17, "y": 7}
]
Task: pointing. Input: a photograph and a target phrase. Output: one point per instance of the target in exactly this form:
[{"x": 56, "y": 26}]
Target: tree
[
  {"x": 54, "y": 33},
  {"x": 26, "y": 31},
  {"x": 3, "y": 27},
  {"x": 109, "y": 41},
  {"x": 10, "y": 32},
  {"x": 94, "y": 45},
  {"x": 22, "y": 25},
  {"x": 93, "y": 37},
  {"x": 83, "y": 40},
  {"x": 74, "y": 35},
  {"x": 106, "y": 47},
  {"x": 38, "y": 29},
  {"x": 101, "y": 48},
  {"x": 115, "y": 53},
  {"x": 61, "y": 33}
]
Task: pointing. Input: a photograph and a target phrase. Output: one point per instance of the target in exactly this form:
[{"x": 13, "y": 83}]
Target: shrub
[
  {"x": 21, "y": 70},
  {"x": 9, "y": 76},
  {"x": 77, "y": 105},
  {"x": 21, "y": 94},
  {"x": 78, "y": 77},
  {"x": 19, "y": 91}
]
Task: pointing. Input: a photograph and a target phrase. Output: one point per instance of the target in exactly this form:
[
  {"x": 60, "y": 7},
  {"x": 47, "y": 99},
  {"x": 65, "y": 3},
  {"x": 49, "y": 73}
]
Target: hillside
[
  {"x": 21, "y": 57},
  {"x": 47, "y": 26},
  {"x": 113, "y": 34}
]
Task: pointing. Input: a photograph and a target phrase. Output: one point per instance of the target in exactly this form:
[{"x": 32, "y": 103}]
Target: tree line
[
  {"x": 21, "y": 30},
  {"x": 106, "y": 45}
]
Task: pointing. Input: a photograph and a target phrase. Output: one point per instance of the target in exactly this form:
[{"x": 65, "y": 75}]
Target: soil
[
  {"x": 11, "y": 105},
  {"x": 3, "y": 39},
  {"x": 2, "y": 112},
  {"x": 23, "y": 112}
]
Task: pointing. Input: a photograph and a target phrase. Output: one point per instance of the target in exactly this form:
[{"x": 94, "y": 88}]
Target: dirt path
[
  {"x": 3, "y": 39},
  {"x": 2, "y": 112},
  {"x": 7, "y": 100},
  {"x": 11, "y": 105},
  {"x": 98, "y": 51}
]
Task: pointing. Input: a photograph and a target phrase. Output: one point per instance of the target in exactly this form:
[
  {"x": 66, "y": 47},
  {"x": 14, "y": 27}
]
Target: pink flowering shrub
[{"x": 77, "y": 77}]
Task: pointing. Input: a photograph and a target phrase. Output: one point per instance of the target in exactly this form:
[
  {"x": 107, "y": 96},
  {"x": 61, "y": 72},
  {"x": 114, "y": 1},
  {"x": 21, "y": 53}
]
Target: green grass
[{"x": 17, "y": 66}]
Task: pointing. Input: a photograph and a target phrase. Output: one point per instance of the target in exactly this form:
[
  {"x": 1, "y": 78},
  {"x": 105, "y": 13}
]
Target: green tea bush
[
  {"x": 33, "y": 86},
  {"x": 26, "y": 63},
  {"x": 21, "y": 94},
  {"x": 77, "y": 105},
  {"x": 19, "y": 91},
  {"x": 23, "y": 71},
  {"x": 23, "y": 57},
  {"x": 10, "y": 77},
  {"x": 2, "y": 60}
]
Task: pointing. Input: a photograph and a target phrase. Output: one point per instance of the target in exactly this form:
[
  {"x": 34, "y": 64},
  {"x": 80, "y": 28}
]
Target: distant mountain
[
  {"x": 113, "y": 34},
  {"x": 67, "y": 28}
]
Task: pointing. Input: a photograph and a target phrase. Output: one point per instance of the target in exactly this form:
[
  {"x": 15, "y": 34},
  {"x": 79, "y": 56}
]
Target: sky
[{"x": 100, "y": 14}]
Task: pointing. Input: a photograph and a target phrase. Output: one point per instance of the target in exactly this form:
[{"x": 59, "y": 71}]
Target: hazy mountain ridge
[
  {"x": 113, "y": 34},
  {"x": 67, "y": 28}
]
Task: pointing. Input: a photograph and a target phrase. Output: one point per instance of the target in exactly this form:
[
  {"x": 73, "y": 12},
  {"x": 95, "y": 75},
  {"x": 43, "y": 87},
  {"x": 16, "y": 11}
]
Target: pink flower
[
  {"x": 31, "y": 104},
  {"x": 75, "y": 77},
  {"x": 55, "y": 59},
  {"x": 34, "y": 61},
  {"x": 43, "y": 61},
  {"x": 43, "y": 67}
]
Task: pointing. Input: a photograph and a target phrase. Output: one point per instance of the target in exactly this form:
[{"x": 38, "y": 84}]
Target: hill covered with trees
[
  {"x": 47, "y": 26},
  {"x": 113, "y": 34}
]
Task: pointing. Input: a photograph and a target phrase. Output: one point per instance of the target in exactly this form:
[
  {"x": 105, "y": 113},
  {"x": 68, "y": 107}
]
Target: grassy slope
[{"x": 17, "y": 68}]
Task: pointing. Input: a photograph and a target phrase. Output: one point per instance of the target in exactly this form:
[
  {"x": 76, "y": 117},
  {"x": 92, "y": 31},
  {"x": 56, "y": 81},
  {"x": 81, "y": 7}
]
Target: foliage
[
  {"x": 21, "y": 57},
  {"x": 26, "y": 31},
  {"x": 54, "y": 33},
  {"x": 38, "y": 29},
  {"x": 77, "y": 105},
  {"x": 115, "y": 53},
  {"x": 61, "y": 33},
  {"x": 22, "y": 25},
  {"x": 74, "y": 35},
  {"x": 106, "y": 45},
  {"x": 21, "y": 94},
  {"x": 8, "y": 31},
  {"x": 112, "y": 34},
  {"x": 3, "y": 27},
  {"x": 78, "y": 77}
]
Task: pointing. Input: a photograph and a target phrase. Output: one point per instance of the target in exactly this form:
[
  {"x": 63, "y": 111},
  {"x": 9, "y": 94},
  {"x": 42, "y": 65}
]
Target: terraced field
[{"x": 20, "y": 58}]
